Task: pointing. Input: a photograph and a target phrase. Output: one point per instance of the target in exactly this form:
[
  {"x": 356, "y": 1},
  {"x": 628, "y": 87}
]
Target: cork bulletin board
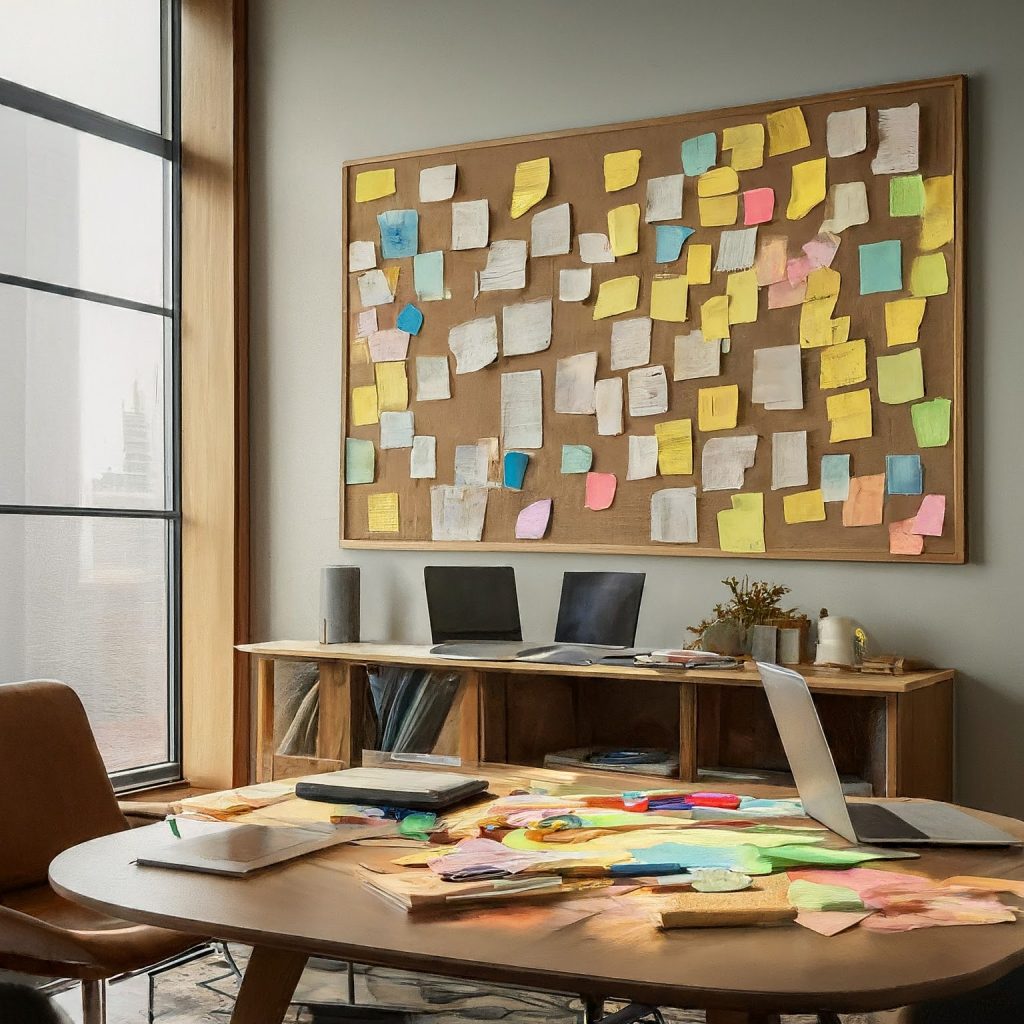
[{"x": 874, "y": 309}]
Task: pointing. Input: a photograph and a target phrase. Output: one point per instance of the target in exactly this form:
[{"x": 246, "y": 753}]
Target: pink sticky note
[
  {"x": 902, "y": 541},
  {"x": 821, "y": 251},
  {"x": 830, "y": 922},
  {"x": 532, "y": 522},
  {"x": 782, "y": 293},
  {"x": 758, "y": 205},
  {"x": 366, "y": 323},
  {"x": 600, "y": 490},
  {"x": 390, "y": 346},
  {"x": 798, "y": 269},
  {"x": 930, "y": 516}
]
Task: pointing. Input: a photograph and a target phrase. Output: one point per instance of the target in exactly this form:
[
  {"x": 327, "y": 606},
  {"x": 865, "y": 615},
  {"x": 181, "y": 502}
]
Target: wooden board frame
[{"x": 955, "y": 535}]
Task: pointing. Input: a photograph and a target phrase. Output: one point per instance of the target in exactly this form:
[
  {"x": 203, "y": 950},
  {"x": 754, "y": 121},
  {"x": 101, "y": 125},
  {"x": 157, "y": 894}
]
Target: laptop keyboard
[{"x": 873, "y": 823}]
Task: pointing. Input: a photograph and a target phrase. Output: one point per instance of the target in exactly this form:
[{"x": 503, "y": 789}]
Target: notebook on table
[{"x": 391, "y": 787}]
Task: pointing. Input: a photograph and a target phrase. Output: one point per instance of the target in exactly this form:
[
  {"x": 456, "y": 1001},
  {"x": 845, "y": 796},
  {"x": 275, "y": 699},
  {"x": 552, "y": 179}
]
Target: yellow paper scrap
[
  {"x": 823, "y": 283},
  {"x": 360, "y": 352},
  {"x": 375, "y": 184},
  {"x": 391, "y": 274},
  {"x": 840, "y": 330},
  {"x": 392, "y": 387},
  {"x": 698, "y": 263},
  {"x": 741, "y": 290},
  {"x": 623, "y": 229},
  {"x": 364, "y": 405},
  {"x": 531, "y": 185},
  {"x": 619, "y": 295},
  {"x": 845, "y": 364},
  {"x": 747, "y": 144},
  {"x": 668, "y": 298},
  {"x": 718, "y": 211},
  {"x": 903, "y": 321},
  {"x": 714, "y": 318},
  {"x": 900, "y": 377},
  {"x": 675, "y": 447},
  {"x": 382, "y": 512},
  {"x": 937, "y": 222},
  {"x": 741, "y": 528},
  {"x": 717, "y": 408},
  {"x": 928, "y": 275},
  {"x": 816, "y": 323},
  {"x": 621, "y": 169},
  {"x": 850, "y": 415},
  {"x": 718, "y": 182},
  {"x": 808, "y": 188},
  {"x": 804, "y": 507},
  {"x": 787, "y": 131}
]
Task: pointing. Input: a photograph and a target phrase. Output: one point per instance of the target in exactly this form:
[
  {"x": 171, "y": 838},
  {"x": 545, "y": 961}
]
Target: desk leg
[
  {"x": 268, "y": 986},
  {"x": 688, "y": 732},
  {"x": 265, "y": 720},
  {"x": 469, "y": 718},
  {"x": 340, "y": 731}
]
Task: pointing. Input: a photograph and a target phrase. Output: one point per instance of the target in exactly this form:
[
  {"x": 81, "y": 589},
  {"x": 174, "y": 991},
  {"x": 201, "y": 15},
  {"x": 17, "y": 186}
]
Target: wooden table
[
  {"x": 317, "y": 906},
  {"x": 896, "y": 732}
]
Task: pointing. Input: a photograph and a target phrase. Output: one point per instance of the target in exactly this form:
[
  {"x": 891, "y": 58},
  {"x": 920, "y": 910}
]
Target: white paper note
[
  {"x": 437, "y": 183},
  {"x": 521, "y": 416},
  {"x": 847, "y": 132},
  {"x": 695, "y": 357},
  {"x": 608, "y": 400},
  {"x": 390, "y": 346},
  {"x": 898, "y": 129},
  {"x": 845, "y": 205},
  {"x": 432, "y": 382},
  {"x": 457, "y": 513},
  {"x": 470, "y": 224},
  {"x": 506, "y": 266},
  {"x": 366, "y": 323},
  {"x": 474, "y": 343},
  {"x": 396, "y": 430},
  {"x": 736, "y": 250},
  {"x": 423, "y": 458},
  {"x": 631, "y": 342},
  {"x": 789, "y": 459},
  {"x": 526, "y": 327},
  {"x": 361, "y": 256},
  {"x": 664, "y": 198},
  {"x": 724, "y": 460},
  {"x": 648, "y": 391},
  {"x": 674, "y": 515},
  {"x": 549, "y": 232},
  {"x": 471, "y": 465},
  {"x": 574, "y": 384},
  {"x": 374, "y": 289},
  {"x": 778, "y": 378},
  {"x": 643, "y": 457},
  {"x": 595, "y": 248},
  {"x": 574, "y": 285}
]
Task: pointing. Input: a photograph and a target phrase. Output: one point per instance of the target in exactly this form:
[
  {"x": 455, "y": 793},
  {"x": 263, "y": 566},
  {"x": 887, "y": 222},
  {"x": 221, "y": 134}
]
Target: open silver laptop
[{"x": 881, "y": 822}]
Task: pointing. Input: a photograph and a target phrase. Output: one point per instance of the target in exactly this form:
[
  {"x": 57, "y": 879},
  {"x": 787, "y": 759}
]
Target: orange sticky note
[
  {"x": 902, "y": 541},
  {"x": 863, "y": 507},
  {"x": 600, "y": 491}
]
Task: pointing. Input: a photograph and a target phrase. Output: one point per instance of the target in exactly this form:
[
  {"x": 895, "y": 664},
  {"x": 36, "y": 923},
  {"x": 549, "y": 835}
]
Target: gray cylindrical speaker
[{"x": 339, "y": 604}]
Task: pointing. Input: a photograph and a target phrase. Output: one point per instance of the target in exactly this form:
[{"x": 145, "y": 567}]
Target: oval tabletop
[{"x": 319, "y": 906}]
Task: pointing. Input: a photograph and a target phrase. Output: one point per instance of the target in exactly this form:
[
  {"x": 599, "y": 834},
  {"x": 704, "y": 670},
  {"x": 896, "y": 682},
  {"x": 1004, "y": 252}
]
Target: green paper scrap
[
  {"x": 797, "y": 854},
  {"x": 906, "y": 196},
  {"x": 417, "y": 825},
  {"x": 359, "y": 461},
  {"x": 931, "y": 422},
  {"x": 577, "y": 458},
  {"x": 900, "y": 377},
  {"x": 173, "y": 825},
  {"x": 815, "y": 896},
  {"x": 928, "y": 275}
]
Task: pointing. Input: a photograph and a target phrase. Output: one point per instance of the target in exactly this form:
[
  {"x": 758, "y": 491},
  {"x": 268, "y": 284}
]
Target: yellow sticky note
[
  {"x": 668, "y": 298},
  {"x": 747, "y": 144},
  {"x": 840, "y": 330},
  {"x": 845, "y": 364},
  {"x": 714, "y": 318},
  {"x": 807, "y": 189},
  {"x": 900, "y": 377},
  {"x": 804, "y": 507},
  {"x": 382, "y": 512},
  {"x": 623, "y": 229},
  {"x": 391, "y": 274},
  {"x": 903, "y": 321},
  {"x": 787, "y": 131},
  {"x": 717, "y": 408},
  {"x": 698, "y": 263},
  {"x": 619, "y": 295},
  {"x": 392, "y": 387},
  {"x": 359, "y": 354},
  {"x": 675, "y": 447},
  {"x": 928, "y": 275},
  {"x": 937, "y": 222},
  {"x": 621, "y": 169},
  {"x": 816, "y": 323},
  {"x": 718, "y": 211},
  {"x": 850, "y": 415},
  {"x": 741, "y": 528},
  {"x": 531, "y": 184},
  {"x": 823, "y": 283},
  {"x": 741, "y": 290},
  {"x": 364, "y": 405},
  {"x": 375, "y": 184},
  {"x": 718, "y": 182}
]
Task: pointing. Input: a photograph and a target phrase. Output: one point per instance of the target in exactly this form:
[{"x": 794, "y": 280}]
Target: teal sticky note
[
  {"x": 409, "y": 320},
  {"x": 906, "y": 196},
  {"x": 399, "y": 233},
  {"x": 577, "y": 458},
  {"x": 881, "y": 267},
  {"x": 835, "y": 477},
  {"x": 428, "y": 275},
  {"x": 668, "y": 242},
  {"x": 515, "y": 469},
  {"x": 699, "y": 153},
  {"x": 359, "y": 461},
  {"x": 903, "y": 474}
]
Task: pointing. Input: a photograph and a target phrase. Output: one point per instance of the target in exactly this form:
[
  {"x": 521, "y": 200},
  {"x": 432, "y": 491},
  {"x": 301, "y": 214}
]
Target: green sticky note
[
  {"x": 881, "y": 267},
  {"x": 900, "y": 377},
  {"x": 359, "y": 461},
  {"x": 931, "y": 422},
  {"x": 906, "y": 196},
  {"x": 816, "y": 896},
  {"x": 577, "y": 458},
  {"x": 791, "y": 856},
  {"x": 928, "y": 275}
]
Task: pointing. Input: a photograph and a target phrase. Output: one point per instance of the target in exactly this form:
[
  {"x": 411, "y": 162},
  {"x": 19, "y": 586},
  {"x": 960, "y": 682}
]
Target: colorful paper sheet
[
  {"x": 931, "y": 422},
  {"x": 849, "y": 415},
  {"x": 843, "y": 365},
  {"x": 745, "y": 144},
  {"x": 532, "y": 179},
  {"x": 392, "y": 387},
  {"x": 714, "y": 317},
  {"x": 864, "y": 505},
  {"x": 903, "y": 321},
  {"x": 698, "y": 263},
  {"x": 741, "y": 291},
  {"x": 532, "y": 522},
  {"x": 363, "y": 410},
  {"x": 668, "y": 298},
  {"x": 928, "y": 275},
  {"x": 577, "y": 458},
  {"x": 382, "y": 513},
  {"x": 359, "y": 461},
  {"x": 600, "y": 491},
  {"x": 719, "y": 181},
  {"x": 718, "y": 211},
  {"x": 410, "y": 319},
  {"x": 619, "y": 295},
  {"x": 758, "y": 205},
  {"x": 804, "y": 507},
  {"x": 881, "y": 267},
  {"x": 930, "y": 516},
  {"x": 903, "y": 540},
  {"x": 428, "y": 276},
  {"x": 399, "y": 233},
  {"x": 718, "y": 408},
  {"x": 372, "y": 185},
  {"x": 787, "y": 131},
  {"x": 835, "y": 477},
  {"x": 807, "y": 189},
  {"x": 699, "y": 153},
  {"x": 624, "y": 228},
  {"x": 675, "y": 447},
  {"x": 900, "y": 377},
  {"x": 906, "y": 196},
  {"x": 668, "y": 242},
  {"x": 937, "y": 224},
  {"x": 514, "y": 470},
  {"x": 903, "y": 474},
  {"x": 621, "y": 169},
  {"x": 741, "y": 528}
]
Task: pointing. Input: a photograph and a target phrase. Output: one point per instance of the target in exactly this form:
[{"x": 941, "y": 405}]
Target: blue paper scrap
[
  {"x": 699, "y": 153},
  {"x": 668, "y": 241},
  {"x": 515, "y": 469},
  {"x": 903, "y": 474},
  {"x": 409, "y": 320},
  {"x": 399, "y": 233}
]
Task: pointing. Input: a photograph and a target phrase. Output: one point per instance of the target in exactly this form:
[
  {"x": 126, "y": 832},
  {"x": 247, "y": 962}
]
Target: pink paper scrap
[
  {"x": 600, "y": 491},
  {"x": 930, "y": 516},
  {"x": 532, "y": 522},
  {"x": 758, "y": 205}
]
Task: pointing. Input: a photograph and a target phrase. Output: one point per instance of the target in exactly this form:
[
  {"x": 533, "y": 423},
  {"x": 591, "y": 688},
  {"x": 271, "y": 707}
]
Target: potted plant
[{"x": 728, "y": 629}]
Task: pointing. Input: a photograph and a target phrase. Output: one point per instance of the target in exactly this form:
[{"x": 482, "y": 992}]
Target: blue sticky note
[
  {"x": 668, "y": 242},
  {"x": 409, "y": 320},
  {"x": 903, "y": 474},
  {"x": 428, "y": 275},
  {"x": 835, "y": 477},
  {"x": 699, "y": 153},
  {"x": 399, "y": 233},
  {"x": 515, "y": 469},
  {"x": 577, "y": 458},
  {"x": 881, "y": 267}
]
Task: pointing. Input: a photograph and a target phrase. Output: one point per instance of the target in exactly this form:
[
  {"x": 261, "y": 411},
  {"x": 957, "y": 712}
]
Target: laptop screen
[
  {"x": 472, "y": 602},
  {"x": 599, "y": 608}
]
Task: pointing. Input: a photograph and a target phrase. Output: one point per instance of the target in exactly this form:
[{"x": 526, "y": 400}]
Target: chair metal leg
[{"x": 94, "y": 1002}]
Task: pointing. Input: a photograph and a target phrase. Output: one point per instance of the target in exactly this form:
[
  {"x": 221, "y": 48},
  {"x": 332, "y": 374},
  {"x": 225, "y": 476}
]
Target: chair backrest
[{"x": 54, "y": 789}]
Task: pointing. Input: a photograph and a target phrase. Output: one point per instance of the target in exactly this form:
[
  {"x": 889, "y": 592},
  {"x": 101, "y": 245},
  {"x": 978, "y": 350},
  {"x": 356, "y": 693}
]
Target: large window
[{"x": 89, "y": 329}]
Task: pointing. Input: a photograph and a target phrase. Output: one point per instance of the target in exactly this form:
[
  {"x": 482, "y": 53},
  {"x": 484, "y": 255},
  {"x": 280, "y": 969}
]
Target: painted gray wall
[{"x": 336, "y": 80}]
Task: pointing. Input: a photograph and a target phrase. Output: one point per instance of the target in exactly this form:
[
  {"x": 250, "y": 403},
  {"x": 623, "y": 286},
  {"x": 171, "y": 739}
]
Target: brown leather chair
[{"x": 54, "y": 794}]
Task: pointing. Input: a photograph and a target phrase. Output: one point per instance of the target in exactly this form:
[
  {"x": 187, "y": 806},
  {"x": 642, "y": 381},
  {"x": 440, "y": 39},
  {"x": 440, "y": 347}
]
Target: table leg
[
  {"x": 267, "y": 986},
  {"x": 688, "y": 732},
  {"x": 265, "y": 720}
]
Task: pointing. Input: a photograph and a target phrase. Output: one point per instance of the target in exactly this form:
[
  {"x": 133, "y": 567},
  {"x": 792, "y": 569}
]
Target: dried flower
[{"x": 751, "y": 604}]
